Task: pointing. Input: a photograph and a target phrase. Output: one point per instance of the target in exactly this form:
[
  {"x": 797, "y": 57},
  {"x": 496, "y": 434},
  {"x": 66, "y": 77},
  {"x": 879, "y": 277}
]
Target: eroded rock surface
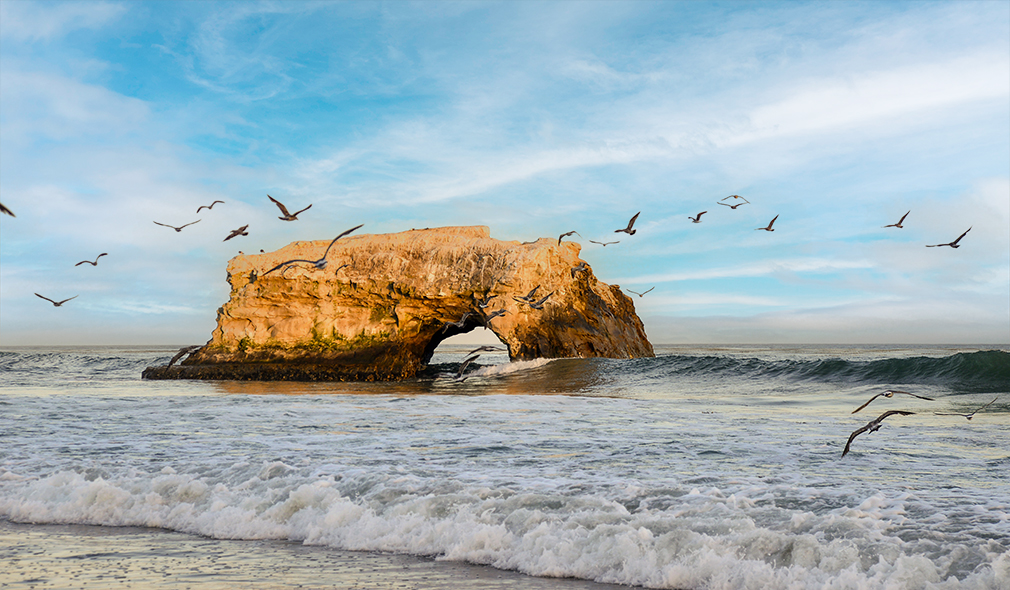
[{"x": 384, "y": 302}]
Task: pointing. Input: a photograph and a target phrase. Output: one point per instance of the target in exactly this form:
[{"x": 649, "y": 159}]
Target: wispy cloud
[
  {"x": 37, "y": 21},
  {"x": 762, "y": 268}
]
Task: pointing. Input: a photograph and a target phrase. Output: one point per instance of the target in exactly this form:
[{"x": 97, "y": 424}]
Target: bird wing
[
  {"x": 911, "y": 394},
  {"x": 647, "y": 290},
  {"x": 280, "y": 205},
  {"x": 287, "y": 263},
  {"x": 325, "y": 254},
  {"x": 726, "y": 204},
  {"x": 83, "y": 261},
  {"x": 46, "y": 298},
  {"x": 541, "y": 301},
  {"x": 6, "y": 210},
  {"x": 881, "y": 417},
  {"x": 295, "y": 214},
  {"x": 165, "y": 225},
  {"x": 900, "y": 221},
  {"x": 189, "y": 224},
  {"x": 772, "y": 222},
  {"x": 76, "y": 296},
  {"x": 867, "y": 403},
  {"x": 961, "y": 236},
  {"x": 632, "y": 222},
  {"x": 702, "y": 213},
  {"x": 853, "y": 436}
]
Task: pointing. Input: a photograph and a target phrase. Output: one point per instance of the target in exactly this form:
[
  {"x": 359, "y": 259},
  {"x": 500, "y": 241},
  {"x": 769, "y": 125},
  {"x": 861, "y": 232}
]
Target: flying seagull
[
  {"x": 770, "y": 224},
  {"x": 539, "y": 304},
  {"x": 972, "y": 414},
  {"x": 642, "y": 293},
  {"x": 698, "y": 218},
  {"x": 580, "y": 267},
  {"x": 732, "y": 206},
  {"x": 211, "y": 206},
  {"x": 890, "y": 393},
  {"x": 458, "y": 323},
  {"x": 237, "y": 232},
  {"x": 873, "y": 426},
  {"x": 604, "y": 244},
  {"x": 6, "y": 210},
  {"x": 95, "y": 263},
  {"x": 486, "y": 349},
  {"x": 951, "y": 244},
  {"x": 900, "y": 221},
  {"x": 493, "y": 315},
  {"x": 178, "y": 229},
  {"x": 628, "y": 229},
  {"x": 566, "y": 234},
  {"x": 56, "y": 303},
  {"x": 735, "y": 197},
  {"x": 529, "y": 296},
  {"x": 183, "y": 352},
  {"x": 287, "y": 216},
  {"x": 321, "y": 263},
  {"x": 483, "y": 303},
  {"x": 462, "y": 367}
]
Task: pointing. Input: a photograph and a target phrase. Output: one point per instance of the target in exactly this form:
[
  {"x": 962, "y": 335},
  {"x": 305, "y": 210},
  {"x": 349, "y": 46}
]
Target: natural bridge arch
[{"x": 383, "y": 303}]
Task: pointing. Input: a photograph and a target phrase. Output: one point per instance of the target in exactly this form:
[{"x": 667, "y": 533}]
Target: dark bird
[
  {"x": 735, "y": 197},
  {"x": 732, "y": 206},
  {"x": 56, "y": 303},
  {"x": 466, "y": 363},
  {"x": 951, "y": 244},
  {"x": 539, "y": 304},
  {"x": 237, "y": 232},
  {"x": 900, "y": 221},
  {"x": 486, "y": 349},
  {"x": 211, "y": 206},
  {"x": 628, "y": 229},
  {"x": 321, "y": 263},
  {"x": 873, "y": 426},
  {"x": 95, "y": 263},
  {"x": 178, "y": 229},
  {"x": 971, "y": 415},
  {"x": 642, "y": 293},
  {"x": 566, "y": 234},
  {"x": 529, "y": 296},
  {"x": 183, "y": 352},
  {"x": 580, "y": 267},
  {"x": 770, "y": 224},
  {"x": 604, "y": 244},
  {"x": 698, "y": 218},
  {"x": 483, "y": 303},
  {"x": 6, "y": 210},
  {"x": 458, "y": 323},
  {"x": 287, "y": 216},
  {"x": 890, "y": 393},
  {"x": 493, "y": 315}
]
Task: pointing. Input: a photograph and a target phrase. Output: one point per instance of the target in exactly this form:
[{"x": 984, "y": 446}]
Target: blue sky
[{"x": 534, "y": 118}]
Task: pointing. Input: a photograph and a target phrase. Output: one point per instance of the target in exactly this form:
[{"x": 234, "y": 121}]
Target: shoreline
[{"x": 89, "y": 556}]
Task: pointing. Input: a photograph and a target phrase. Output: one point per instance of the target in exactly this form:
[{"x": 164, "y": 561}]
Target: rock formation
[{"x": 383, "y": 303}]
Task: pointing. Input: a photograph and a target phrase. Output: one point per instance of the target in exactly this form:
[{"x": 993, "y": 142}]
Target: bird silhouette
[
  {"x": 628, "y": 229},
  {"x": 458, "y": 323},
  {"x": 287, "y": 216},
  {"x": 900, "y": 221},
  {"x": 6, "y": 210},
  {"x": 56, "y": 303},
  {"x": 642, "y": 293},
  {"x": 237, "y": 232},
  {"x": 580, "y": 267},
  {"x": 951, "y": 244},
  {"x": 604, "y": 244},
  {"x": 566, "y": 234},
  {"x": 770, "y": 224},
  {"x": 890, "y": 393},
  {"x": 321, "y": 263},
  {"x": 873, "y": 426},
  {"x": 466, "y": 363},
  {"x": 486, "y": 348},
  {"x": 211, "y": 206},
  {"x": 183, "y": 352},
  {"x": 95, "y": 263},
  {"x": 698, "y": 218},
  {"x": 493, "y": 315},
  {"x": 970, "y": 415},
  {"x": 735, "y": 197},
  {"x": 732, "y": 206},
  {"x": 177, "y": 229}
]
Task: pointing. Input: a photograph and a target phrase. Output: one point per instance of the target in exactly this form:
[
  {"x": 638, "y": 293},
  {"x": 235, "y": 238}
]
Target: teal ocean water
[{"x": 703, "y": 468}]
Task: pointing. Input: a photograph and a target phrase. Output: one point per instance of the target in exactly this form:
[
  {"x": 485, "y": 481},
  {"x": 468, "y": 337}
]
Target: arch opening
[{"x": 473, "y": 332}]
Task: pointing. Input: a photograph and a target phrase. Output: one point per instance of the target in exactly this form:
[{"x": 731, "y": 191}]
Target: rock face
[{"x": 383, "y": 303}]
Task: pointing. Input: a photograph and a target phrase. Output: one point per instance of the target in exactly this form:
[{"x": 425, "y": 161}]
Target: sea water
[{"x": 705, "y": 467}]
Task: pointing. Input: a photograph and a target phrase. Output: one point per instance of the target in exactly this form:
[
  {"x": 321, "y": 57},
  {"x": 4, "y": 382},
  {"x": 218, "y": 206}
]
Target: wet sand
[{"x": 82, "y": 556}]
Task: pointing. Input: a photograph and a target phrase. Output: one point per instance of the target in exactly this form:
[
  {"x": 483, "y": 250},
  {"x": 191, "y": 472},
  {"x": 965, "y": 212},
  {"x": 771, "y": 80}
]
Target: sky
[{"x": 533, "y": 118}]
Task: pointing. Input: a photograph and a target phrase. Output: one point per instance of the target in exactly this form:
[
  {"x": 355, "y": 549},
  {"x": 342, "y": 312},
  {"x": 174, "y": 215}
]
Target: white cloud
[
  {"x": 45, "y": 21},
  {"x": 761, "y": 268}
]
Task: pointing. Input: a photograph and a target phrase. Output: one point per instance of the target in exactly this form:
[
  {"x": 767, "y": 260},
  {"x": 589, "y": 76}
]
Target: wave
[{"x": 985, "y": 371}]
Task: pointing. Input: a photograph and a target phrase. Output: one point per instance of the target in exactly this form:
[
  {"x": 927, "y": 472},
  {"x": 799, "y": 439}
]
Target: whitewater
[{"x": 703, "y": 468}]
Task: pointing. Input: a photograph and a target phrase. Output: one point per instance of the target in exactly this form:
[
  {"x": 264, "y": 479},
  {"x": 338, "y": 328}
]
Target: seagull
[
  {"x": 483, "y": 303},
  {"x": 698, "y": 218},
  {"x": 642, "y": 293},
  {"x": 873, "y": 425},
  {"x": 56, "y": 303},
  {"x": 770, "y": 224},
  {"x": 462, "y": 367},
  {"x": 900, "y": 221},
  {"x": 604, "y": 244},
  {"x": 581, "y": 267},
  {"x": 458, "y": 323},
  {"x": 890, "y": 393},
  {"x": 237, "y": 232},
  {"x": 211, "y": 206},
  {"x": 95, "y": 263},
  {"x": 321, "y": 263},
  {"x": 539, "y": 304},
  {"x": 529, "y": 296},
  {"x": 287, "y": 216},
  {"x": 178, "y": 229},
  {"x": 628, "y": 229},
  {"x": 952, "y": 244},
  {"x": 566, "y": 234},
  {"x": 182, "y": 352},
  {"x": 732, "y": 206},
  {"x": 486, "y": 349},
  {"x": 6, "y": 210},
  {"x": 492, "y": 316},
  {"x": 735, "y": 197},
  {"x": 971, "y": 415}
]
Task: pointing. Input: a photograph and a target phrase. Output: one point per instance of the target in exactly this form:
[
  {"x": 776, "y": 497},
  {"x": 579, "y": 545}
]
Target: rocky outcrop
[{"x": 383, "y": 303}]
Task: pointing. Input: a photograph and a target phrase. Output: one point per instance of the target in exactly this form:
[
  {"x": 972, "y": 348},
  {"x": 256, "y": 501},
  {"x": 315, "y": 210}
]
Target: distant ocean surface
[{"x": 703, "y": 468}]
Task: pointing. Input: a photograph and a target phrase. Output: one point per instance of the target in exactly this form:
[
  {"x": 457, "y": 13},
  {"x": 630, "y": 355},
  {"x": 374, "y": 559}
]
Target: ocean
[{"x": 706, "y": 467}]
